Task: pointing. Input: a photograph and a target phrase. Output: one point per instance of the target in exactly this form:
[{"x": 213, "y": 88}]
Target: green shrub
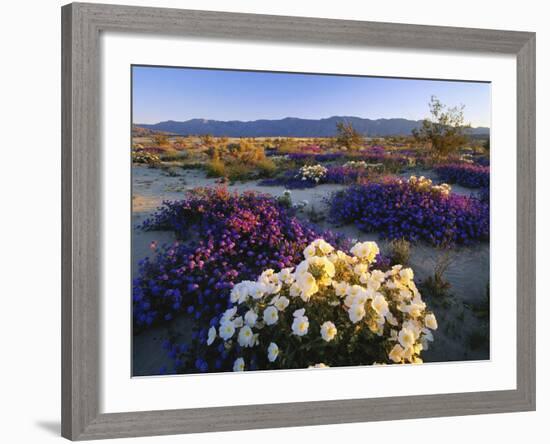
[
  {"x": 173, "y": 156},
  {"x": 285, "y": 199},
  {"x": 141, "y": 156},
  {"x": 400, "y": 251},
  {"x": 216, "y": 168},
  {"x": 266, "y": 168},
  {"x": 437, "y": 286},
  {"x": 239, "y": 172}
]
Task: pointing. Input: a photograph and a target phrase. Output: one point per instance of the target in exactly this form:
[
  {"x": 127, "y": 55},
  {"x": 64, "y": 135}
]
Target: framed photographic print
[{"x": 280, "y": 215}]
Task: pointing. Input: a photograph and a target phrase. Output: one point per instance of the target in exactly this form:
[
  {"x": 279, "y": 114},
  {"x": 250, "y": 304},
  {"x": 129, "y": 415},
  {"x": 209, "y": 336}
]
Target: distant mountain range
[{"x": 291, "y": 127}]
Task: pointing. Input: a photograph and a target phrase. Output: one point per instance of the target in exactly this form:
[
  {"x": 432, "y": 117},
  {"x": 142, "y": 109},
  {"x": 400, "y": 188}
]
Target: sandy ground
[{"x": 463, "y": 328}]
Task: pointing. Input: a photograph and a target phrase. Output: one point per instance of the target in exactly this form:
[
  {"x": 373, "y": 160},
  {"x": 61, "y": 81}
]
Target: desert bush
[
  {"x": 334, "y": 309},
  {"x": 400, "y": 251},
  {"x": 348, "y": 137},
  {"x": 445, "y": 131},
  {"x": 145, "y": 157},
  {"x": 239, "y": 172},
  {"x": 173, "y": 156},
  {"x": 436, "y": 286},
  {"x": 285, "y": 200},
  {"x": 215, "y": 168},
  {"x": 161, "y": 140},
  {"x": 266, "y": 168},
  {"x": 413, "y": 210},
  {"x": 312, "y": 173}
]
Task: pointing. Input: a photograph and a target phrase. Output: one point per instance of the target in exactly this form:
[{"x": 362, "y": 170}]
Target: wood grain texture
[{"x": 81, "y": 230}]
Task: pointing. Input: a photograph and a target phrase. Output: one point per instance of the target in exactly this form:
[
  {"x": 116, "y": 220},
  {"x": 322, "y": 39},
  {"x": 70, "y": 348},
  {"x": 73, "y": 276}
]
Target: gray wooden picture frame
[{"x": 81, "y": 172}]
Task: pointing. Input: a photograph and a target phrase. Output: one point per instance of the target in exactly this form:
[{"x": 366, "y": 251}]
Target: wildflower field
[{"x": 305, "y": 255}]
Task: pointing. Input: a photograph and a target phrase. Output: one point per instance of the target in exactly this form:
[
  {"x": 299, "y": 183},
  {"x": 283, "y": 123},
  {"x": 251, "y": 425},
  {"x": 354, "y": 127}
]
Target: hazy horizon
[
  {"x": 179, "y": 94},
  {"x": 282, "y": 118}
]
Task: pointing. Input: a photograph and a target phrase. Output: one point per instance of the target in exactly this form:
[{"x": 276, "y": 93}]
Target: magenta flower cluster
[
  {"x": 397, "y": 209},
  {"x": 223, "y": 238},
  {"x": 468, "y": 175}
]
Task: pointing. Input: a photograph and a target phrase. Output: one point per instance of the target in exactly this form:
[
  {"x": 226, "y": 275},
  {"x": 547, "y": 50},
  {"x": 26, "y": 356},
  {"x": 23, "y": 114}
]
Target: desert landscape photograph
[{"x": 307, "y": 221}]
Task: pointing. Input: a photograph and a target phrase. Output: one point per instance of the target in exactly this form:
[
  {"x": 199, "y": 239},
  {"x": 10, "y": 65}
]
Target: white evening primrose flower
[
  {"x": 406, "y": 274},
  {"x": 325, "y": 247},
  {"x": 415, "y": 309},
  {"x": 238, "y": 365},
  {"x": 430, "y": 321},
  {"x": 405, "y": 295},
  {"x": 266, "y": 276},
  {"x": 272, "y": 352},
  {"x": 396, "y": 353},
  {"x": 228, "y": 314},
  {"x": 406, "y": 337},
  {"x": 286, "y": 276},
  {"x": 309, "y": 251},
  {"x": 356, "y": 295},
  {"x": 235, "y": 294},
  {"x": 300, "y": 325},
  {"x": 238, "y": 322},
  {"x": 365, "y": 250},
  {"x": 299, "y": 313},
  {"x": 360, "y": 269},
  {"x": 328, "y": 331},
  {"x": 408, "y": 353},
  {"x": 301, "y": 269},
  {"x": 250, "y": 318},
  {"x": 356, "y": 312},
  {"x": 380, "y": 305},
  {"x": 227, "y": 330},
  {"x": 246, "y": 337},
  {"x": 281, "y": 303},
  {"x": 211, "y": 335},
  {"x": 271, "y": 315},
  {"x": 328, "y": 267},
  {"x": 308, "y": 285},
  {"x": 378, "y": 275},
  {"x": 258, "y": 290},
  {"x": 294, "y": 290},
  {"x": 340, "y": 288}
]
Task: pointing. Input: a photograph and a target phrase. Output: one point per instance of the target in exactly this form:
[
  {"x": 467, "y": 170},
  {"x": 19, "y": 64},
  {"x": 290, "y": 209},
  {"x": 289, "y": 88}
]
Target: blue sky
[{"x": 181, "y": 94}]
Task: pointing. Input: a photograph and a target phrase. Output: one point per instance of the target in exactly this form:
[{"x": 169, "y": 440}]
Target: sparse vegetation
[
  {"x": 445, "y": 131},
  {"x": 436, "y": 286},
  {"x": 400, "y": 251},
  {"x": 348, "y": 137}
]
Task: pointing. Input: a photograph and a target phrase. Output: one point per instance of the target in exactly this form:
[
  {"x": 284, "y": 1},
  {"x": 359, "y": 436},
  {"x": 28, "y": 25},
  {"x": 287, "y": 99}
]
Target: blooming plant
[
  {"x": 312, "y": 173},
  {"x": 466, "y": 174},
  {"x": 333, "y": 309},
  {"x": 236, "y": 236},
  {"x": 413, "y": 210},
  {"x": 142, "y": 156},
  {"x": 356, "y": 164}
]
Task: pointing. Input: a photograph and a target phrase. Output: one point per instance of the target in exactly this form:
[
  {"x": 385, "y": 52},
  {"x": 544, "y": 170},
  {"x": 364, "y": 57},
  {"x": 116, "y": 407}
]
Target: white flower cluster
[
  {"x": 424, "y": 184},
  {"x": 312, "y": 172},
  {"x": 356, "y": 164},
  {"x": 330, "y": 297}
]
